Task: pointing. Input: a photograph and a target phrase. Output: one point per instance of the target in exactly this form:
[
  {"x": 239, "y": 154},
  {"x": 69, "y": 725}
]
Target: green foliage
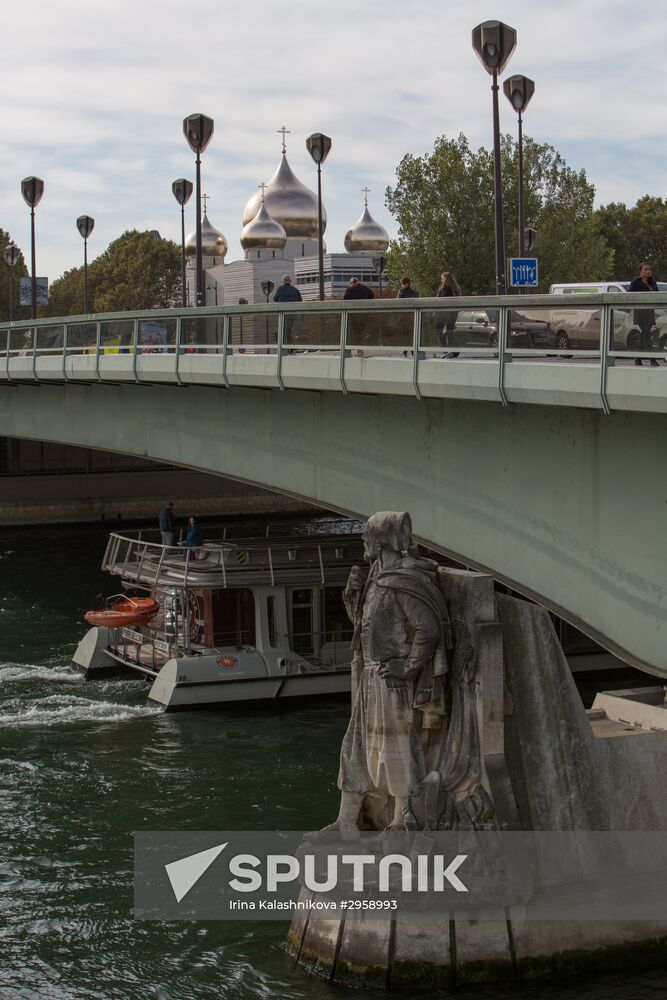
[
  {"x": 444, "y": 205},
  {"x": 134, "y": 272},
  {"x": 15, "y": 273},
  {"x": 636, "y": 234}
]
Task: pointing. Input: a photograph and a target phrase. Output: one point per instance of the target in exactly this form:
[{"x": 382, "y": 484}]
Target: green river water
[{"x": 85, "y": 765}]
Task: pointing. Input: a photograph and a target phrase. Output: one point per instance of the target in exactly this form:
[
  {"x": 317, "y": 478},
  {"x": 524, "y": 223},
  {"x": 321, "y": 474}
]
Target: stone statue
[{"x": 410, "y": 756}]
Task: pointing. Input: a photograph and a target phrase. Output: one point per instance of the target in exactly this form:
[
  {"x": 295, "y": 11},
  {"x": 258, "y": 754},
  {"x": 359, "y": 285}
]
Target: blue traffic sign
[{"x": 523, "y": 272}]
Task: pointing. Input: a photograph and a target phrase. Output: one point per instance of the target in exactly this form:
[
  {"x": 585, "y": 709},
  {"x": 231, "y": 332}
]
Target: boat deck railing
[{"x": 222, "y": 564}]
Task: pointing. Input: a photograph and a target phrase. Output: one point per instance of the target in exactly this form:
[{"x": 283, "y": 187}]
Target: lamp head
[
  {"x": 182, "y": 190},
  {"x": 32, "y": 189},
  {"x": 318, "y": 145},
  {"x": 198, "y": 130},
  {"x": 85, "y": 225},
  {"x": 494, "y": 43},
  {"x": 12, "y": 254},
  {"x": 518, "y": 90}
]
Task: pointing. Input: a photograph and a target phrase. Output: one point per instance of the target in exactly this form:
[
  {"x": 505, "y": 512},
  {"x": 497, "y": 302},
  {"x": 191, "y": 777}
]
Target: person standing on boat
[
  {"x": 166, "y": 522},
  {"x": 194, "y": 537}
]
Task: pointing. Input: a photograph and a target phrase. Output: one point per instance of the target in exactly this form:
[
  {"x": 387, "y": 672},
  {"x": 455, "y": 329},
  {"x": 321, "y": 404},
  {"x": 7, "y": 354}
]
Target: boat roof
[{"x": 142, "y": 560}]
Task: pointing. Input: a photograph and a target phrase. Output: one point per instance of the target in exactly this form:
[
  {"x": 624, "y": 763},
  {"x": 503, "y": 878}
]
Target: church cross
[
  {"x": 285, "y": 131},
  {"x": 366, "y": 191},
  {"x": 263, "y": 187},
  {"x": 205, "y": 198}
]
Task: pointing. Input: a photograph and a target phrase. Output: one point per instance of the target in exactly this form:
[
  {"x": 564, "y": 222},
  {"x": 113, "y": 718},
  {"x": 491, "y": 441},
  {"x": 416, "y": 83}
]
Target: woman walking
[{"x": 449, "y": 287}]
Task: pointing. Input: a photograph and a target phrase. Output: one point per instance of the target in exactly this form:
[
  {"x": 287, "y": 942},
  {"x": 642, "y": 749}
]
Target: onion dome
[
  {"x": 213, "y": 243},
  {"x": 288, "y": 202},
  {"x": 366, "y": 235},
  {"x": 263, "y": 232}
]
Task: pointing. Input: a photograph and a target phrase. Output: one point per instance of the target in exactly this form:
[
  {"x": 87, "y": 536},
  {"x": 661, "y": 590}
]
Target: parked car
[
  {"x": 526, "y": 329},
  {"x": 473, "y": 328},
  {"x": 578, "y": 327}
]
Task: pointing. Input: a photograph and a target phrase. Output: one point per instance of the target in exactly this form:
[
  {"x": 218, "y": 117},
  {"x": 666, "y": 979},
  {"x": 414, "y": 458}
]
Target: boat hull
[{"x": 172, "y": 694}]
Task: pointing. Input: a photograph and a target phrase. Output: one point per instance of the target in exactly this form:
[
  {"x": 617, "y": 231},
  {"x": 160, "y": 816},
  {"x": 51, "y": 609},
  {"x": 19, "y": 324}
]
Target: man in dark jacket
[
  {"x": 287, "y": 292},
  {"x": 407, "y": 291},
  {"x": 357, "y": 290},
  {"x": 644, "y": 318},
  {"x": 166, "y": 522}
]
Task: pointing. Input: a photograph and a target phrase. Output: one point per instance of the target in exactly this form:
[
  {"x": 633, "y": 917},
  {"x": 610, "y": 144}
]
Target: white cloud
[{"x": 99, "y": 91}]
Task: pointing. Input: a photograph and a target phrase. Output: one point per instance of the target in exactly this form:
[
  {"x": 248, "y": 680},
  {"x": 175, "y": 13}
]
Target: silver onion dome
[
  {"x": 366, "y": 235},
  {"x": 263, "y": 232},
  {"x": 213, "y": 243},
  {"x": 288, "y": 202}
]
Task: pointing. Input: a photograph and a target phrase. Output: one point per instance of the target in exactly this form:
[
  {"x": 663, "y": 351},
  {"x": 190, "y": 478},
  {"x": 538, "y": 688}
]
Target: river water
[{"x": 85, "y": 765}]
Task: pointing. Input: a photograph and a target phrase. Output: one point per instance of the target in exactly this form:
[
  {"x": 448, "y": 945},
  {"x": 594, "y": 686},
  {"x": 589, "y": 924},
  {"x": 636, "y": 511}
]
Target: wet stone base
[{"x": 404, "y": 954}]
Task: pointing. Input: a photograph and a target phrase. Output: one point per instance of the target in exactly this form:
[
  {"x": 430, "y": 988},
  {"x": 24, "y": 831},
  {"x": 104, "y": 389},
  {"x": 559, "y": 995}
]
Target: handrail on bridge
[{"x": 223, "y": 345}]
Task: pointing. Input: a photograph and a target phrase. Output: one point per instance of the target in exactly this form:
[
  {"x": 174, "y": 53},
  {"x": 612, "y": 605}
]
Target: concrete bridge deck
[{"x": 547, "y": 471}]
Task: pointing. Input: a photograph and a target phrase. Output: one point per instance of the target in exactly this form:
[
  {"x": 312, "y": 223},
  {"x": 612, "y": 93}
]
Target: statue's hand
[
  {"x": 357, "y": 578},
  {"x": 394, "y": 668}
]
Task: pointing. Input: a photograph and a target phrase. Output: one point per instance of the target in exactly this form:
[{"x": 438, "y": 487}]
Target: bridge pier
[{"x": 547, "y": 765}]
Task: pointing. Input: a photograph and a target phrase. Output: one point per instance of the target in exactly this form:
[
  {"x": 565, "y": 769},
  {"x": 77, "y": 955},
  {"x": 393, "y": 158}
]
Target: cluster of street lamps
[
  {"x": 494, "y": 43},
  {"x": 198, "y": 131},
  {"x": 32, "y": 189}
]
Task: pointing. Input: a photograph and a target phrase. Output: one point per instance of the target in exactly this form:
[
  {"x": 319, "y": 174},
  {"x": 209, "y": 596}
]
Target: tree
[
  {"x": 443, "y": 203},
  {"x": 635, "y": 234},
  {"x": 136, "y": 271}
]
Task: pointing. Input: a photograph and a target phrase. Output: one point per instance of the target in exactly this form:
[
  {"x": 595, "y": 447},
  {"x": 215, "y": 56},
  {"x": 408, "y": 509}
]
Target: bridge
[{"x": 532, "y": 449}]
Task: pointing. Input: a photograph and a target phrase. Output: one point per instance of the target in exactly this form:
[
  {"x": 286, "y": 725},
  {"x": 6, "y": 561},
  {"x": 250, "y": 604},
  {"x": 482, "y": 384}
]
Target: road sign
[
  {"x": 42, "y": 289},
  {"x": 523, "y": 272}
]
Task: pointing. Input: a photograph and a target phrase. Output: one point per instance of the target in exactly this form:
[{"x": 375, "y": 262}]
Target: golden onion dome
[
  {"x": 288, "y": 202},
  {"x": 263, "y": 232},
  {"x": 213, "y": 243},
  {"x": 366, "y": 235}
]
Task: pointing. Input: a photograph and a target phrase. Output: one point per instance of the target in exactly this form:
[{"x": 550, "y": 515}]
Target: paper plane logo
[{"x": 185, "y": 873}]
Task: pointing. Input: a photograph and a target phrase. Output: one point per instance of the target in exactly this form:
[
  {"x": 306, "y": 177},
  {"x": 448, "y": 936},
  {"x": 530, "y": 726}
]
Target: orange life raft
[{"x": 128, "y": 611}]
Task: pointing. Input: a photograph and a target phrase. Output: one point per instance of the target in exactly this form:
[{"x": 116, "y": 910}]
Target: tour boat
[{"x": 245, "y": 620}]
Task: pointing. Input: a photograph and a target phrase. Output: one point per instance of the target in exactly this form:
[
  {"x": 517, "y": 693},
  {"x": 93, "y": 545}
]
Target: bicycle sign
[{"x": 523, "y": 272}]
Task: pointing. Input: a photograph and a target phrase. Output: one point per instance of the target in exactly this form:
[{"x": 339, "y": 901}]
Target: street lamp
[
  {"x": 32, "y": 189},
  {"x": 12, "y": 254},
  {"x": 182, "y": 190},
  {"x": 85, "y": 225},
  {"x": 198, "y": 130},
  {"x": 518, "y": 90},
  {"x": 318, "y": 146},
  {"x": 494, "y": 43}
]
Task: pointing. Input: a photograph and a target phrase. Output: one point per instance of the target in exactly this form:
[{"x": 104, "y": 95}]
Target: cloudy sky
[{"x": 95, "y": 92}]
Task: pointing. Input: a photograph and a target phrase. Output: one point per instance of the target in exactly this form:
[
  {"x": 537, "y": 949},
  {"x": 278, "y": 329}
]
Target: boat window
[
  {"x": 336, "y": 625},
  {"x": 302, "y": 621},
  {"x": 271, "y": 620},
  {"x": 234, "y": 617}
]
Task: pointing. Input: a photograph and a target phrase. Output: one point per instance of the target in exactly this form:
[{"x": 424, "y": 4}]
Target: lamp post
[
  {"x": 32, "y": 189},
  {"x": 12, "y": 254},
  {"x": 379, "y": 264},
  {"x": 198, "y": 130},
  {"x": 318, "y": 146},
  {"x": 85, "y": 225},
  {"x": 182, "y": 190},
  {"x": 494, "y": 43},
  {"x": 518, "y": 90}
]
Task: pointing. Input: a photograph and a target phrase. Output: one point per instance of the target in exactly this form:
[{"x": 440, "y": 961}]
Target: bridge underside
[{"x": 566, "y": 505}]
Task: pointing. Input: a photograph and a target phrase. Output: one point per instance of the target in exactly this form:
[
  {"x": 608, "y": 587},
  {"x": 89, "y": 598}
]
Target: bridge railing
[{"x": 210, "y": 344}]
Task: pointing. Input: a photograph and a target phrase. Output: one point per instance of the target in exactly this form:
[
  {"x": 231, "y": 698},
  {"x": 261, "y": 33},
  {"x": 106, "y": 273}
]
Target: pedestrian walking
[
  {"x": 357, "y": 290},
  {"x": 645, "y": 318},
  {"x": 406, "y": 290},
  {"x": 287, "y": 292},
  {"x": 166, "y": 522},
  {"x": 449, "y": 287}
]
